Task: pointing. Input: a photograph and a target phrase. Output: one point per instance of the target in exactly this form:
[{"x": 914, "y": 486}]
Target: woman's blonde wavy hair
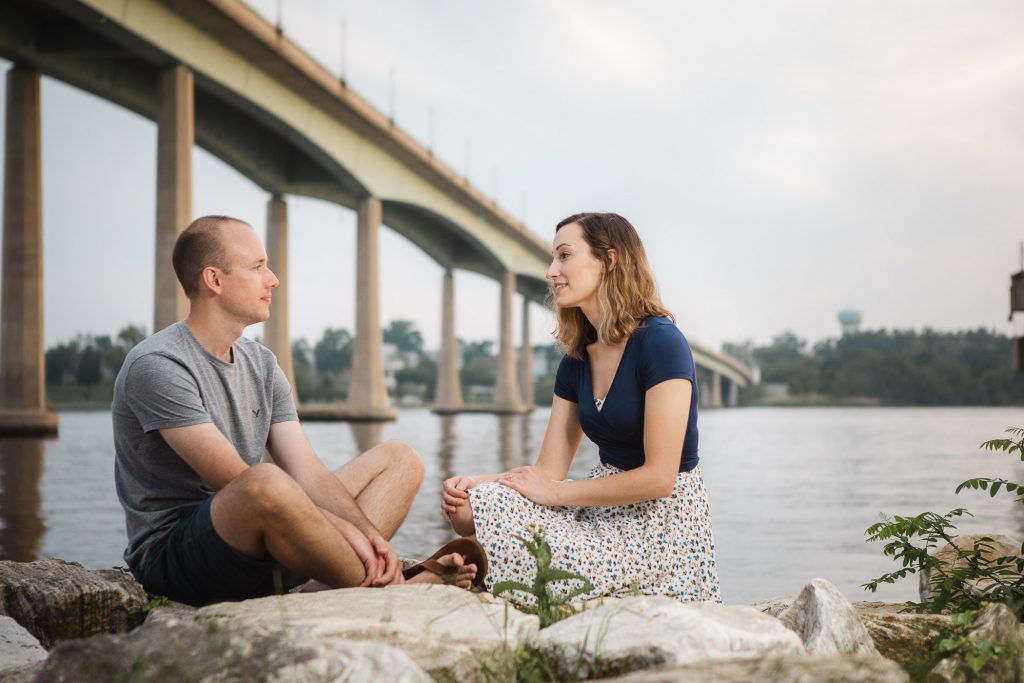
[{"x": 627, "y": 294}]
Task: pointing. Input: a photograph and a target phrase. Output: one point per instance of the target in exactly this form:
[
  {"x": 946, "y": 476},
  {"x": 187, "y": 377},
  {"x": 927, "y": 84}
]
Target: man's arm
[{"x": 207, "y": 451}]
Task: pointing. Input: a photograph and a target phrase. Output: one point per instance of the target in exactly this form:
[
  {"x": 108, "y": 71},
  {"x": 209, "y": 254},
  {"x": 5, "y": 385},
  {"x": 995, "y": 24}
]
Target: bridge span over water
[{"x": 216, "y": 74}]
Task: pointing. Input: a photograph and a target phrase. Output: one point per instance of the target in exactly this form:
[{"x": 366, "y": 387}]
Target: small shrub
[
  {"x": 974, "y": 577},
  {"x": 551, "y": 606},
  {"x": 957, "y": 640}
]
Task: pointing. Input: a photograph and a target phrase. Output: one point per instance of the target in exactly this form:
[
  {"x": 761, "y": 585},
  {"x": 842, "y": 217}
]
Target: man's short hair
[{"x": 197, "y": 247}]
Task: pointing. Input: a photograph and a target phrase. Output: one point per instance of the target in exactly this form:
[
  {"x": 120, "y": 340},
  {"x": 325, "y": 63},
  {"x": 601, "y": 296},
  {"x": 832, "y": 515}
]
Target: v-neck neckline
[{"x": 615, "y": 376}]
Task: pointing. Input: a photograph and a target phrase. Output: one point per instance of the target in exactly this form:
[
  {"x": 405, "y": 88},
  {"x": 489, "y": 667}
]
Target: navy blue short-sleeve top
[{"x": 657, "y": 351}]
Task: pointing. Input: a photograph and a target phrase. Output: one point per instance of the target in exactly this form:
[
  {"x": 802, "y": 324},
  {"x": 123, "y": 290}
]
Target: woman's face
[{"x": 575, "y": 272}]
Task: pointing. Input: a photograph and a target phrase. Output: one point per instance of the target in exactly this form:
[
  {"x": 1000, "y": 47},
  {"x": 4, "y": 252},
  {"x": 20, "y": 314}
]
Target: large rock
[
  {"x": 189, "y": 652},
  {"x": 56, "y": 600},
  {"x": 1000, "y": 546},
  {"x": 773, "y": 607},
  {"x": 25, "y": 673},
  {"x": 997, "y": 625},
  {"x": 639, "y": 633},
  {"x": 826, "y": 621},
  {"x": 450, "y": 633},
  {"x": 859, "y": 668},
  {"x": 901, "y": 636},
  {"x": 18, "y": 647},
  {"x": 898, "y": 635}
]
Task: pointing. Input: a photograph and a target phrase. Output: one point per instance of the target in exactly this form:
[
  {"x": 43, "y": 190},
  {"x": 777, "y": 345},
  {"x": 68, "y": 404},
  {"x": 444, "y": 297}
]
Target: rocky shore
[{"x": 62, "y": 622}]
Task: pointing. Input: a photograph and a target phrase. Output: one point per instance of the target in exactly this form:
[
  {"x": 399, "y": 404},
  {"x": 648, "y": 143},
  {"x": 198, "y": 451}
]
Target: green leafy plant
[
  {"x": 983, "y": 659},
  {"x": 528, "y": 664},
  {"x": 973, "y": 576},
  {"x": 976, "y": 652},
  {"x": 154, "y": 602},
  {"x": 551, "y": 606}
]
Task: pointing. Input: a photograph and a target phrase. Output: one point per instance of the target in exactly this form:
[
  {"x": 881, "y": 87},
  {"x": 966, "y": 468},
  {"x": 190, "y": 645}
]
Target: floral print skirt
[{"x": 663, "y": 546}]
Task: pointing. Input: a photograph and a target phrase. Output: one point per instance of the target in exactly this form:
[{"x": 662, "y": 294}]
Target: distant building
[{"x": 850, "y": 321}]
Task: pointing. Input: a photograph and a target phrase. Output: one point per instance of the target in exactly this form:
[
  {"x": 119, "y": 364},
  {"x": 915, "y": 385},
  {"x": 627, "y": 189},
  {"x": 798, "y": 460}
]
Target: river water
[{"x": 792, "y": 489}]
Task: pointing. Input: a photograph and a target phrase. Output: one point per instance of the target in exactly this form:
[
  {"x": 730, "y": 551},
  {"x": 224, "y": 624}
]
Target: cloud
[{"x": 596, "y": 45}]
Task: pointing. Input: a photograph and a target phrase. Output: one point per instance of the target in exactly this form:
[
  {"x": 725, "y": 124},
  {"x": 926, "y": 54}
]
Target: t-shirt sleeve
[
  {"x": 665, "y": 355},
  {"x": 565, "y": 380},
  {"x": 163, "y": 394},
  {"x": 284, "y": 407}
]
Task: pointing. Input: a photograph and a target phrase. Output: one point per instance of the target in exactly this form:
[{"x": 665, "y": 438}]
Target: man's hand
[
  {"x": 364, "y": 549},
  {"x": 388, "y": 562},
  {"x": 453, "y": 494}
]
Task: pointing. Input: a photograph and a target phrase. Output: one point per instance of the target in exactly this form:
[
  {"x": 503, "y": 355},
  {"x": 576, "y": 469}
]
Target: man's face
[{"x": 248, "y": 282}]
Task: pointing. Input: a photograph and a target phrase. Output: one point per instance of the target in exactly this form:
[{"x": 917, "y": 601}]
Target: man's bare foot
[{"x": 461, "y": 574}]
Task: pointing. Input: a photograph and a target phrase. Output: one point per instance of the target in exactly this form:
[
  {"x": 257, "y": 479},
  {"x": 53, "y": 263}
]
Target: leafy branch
[
  {"x": 552, "y": 606},
  {"x": 969, "y": 576}
]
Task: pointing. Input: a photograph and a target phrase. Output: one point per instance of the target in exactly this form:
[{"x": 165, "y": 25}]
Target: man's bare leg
[
  {"x": 264, "y": 512},
  {"x": 384, "y": 480}
]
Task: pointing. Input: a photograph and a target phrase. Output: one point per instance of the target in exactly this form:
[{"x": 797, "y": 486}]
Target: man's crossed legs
[{"x": 264, "y": 518}]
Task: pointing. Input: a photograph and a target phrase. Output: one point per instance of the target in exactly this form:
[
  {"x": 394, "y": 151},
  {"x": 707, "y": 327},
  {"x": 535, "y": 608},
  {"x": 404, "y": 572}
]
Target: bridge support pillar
[
  {"x": 449, "y": 389},
  {"x": 22, "y": 364},
  {"x": 275, "y": 333},
  {"x": 506, "y": 390},
  {"x": 732, "y": 394},
  {"x": 175, "y": 137},
  {"x": 715, "y": 399},
  {"x": 526, "y": 359},
  {"x": 368, "y": 392}
]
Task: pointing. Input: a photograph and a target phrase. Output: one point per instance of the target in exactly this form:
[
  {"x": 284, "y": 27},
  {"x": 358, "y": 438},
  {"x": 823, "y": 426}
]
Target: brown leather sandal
[{"x": 472, "y": 553}]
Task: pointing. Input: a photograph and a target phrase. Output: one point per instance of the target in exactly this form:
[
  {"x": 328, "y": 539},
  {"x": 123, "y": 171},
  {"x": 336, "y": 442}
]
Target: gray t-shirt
[{"x": 169, "y": 380}]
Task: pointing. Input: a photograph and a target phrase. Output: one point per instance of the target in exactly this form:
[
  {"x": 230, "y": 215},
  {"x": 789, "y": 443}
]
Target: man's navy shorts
[{"x": 192, "y": 564}]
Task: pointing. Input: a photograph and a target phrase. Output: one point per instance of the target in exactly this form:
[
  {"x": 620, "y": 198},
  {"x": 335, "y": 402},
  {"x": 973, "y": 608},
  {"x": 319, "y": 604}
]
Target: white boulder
[
  {"x": 18, "y": 647},
  {"x": 448, "y": 632},
  {"x": 826, "y": 621},
  {"x": 644, "y": 632}
]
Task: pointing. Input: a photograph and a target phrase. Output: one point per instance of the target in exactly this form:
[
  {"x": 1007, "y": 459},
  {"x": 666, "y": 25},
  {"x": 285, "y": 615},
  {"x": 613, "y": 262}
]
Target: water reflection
[
  {"x": 21, "y": 473},
  {"x": 446, "y": 449},
  {"x": 527, "y": 454},
  {"x": 366, "y": 434},
  {"x": 507, "y": 452},
  {"x": 515, "y": 443}
]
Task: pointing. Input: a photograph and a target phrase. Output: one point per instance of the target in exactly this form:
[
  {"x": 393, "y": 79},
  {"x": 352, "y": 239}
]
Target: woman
[{"x": 641, "y": 521}]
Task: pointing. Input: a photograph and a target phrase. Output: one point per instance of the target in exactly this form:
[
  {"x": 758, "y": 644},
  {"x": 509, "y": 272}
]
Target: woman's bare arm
[{"x": 667, "y": 409}]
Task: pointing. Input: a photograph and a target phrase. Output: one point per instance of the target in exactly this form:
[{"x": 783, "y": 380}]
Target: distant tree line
[
  {"x": 322, "y": 369},
  {"x": 83, "y": 370},
  {"x": 75, "y": 368},
  {"x": 898, "y": 367}
]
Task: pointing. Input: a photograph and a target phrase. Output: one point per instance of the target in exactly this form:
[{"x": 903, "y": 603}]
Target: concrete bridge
[{"x": 216, "y": 74}]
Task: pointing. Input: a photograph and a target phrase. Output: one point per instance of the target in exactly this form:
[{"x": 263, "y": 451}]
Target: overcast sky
[{"x": 781, "y": 160}]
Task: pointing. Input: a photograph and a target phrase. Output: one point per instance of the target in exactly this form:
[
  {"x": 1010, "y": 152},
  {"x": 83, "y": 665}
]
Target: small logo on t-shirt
[{"x": 256, "y": 413}]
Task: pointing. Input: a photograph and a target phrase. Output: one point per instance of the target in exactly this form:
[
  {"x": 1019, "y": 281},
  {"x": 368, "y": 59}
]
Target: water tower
[{"x": 850, "y": 320}]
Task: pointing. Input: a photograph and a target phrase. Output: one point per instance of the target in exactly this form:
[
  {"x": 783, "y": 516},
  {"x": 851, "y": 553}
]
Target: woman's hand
[
  {"x": 530, "y": 483},
  {"x": 454, "y": 496}
]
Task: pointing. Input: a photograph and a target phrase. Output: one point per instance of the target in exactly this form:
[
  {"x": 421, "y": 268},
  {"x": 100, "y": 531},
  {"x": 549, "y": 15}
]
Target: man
[{"x": 195, "y": 406}]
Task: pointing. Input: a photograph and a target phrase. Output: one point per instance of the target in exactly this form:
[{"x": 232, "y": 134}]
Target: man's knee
[
  {"x": 402, "y": 457},
  {"x": 266, "y": 487}
]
